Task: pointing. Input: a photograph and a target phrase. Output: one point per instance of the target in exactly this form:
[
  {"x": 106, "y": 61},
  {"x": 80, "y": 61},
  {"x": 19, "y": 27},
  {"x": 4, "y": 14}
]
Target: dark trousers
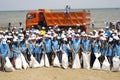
[
  {"x": 49, "y": 55},
  {"x": 38, "y": 56},
  {"x": 110, "y": 61},
  {"x": 2, "y": 64},
  {"x": 92, "y": 59}
]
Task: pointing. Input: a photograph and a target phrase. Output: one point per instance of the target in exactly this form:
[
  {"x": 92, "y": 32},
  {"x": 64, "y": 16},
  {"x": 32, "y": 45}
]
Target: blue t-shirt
[
  {"x": 31, "y": 47},
  {"x": 64, "y": 48},
  {"x": 38, "y": 49},
  {"x": 103, "y": 49},
  {"x": 76, "y": 44},
  {"x": 117, "y": 49},
  {"x": 110, "y": 52},
  {"x": 96, "y": 47},
  {"x": 16, "y": 52},
  {"x": 48, "y": 45},
  {"x": 86, "y": 44},
  {"x": 55, "y": 45},
  {"x": 23, "y": 47},
  {"x": 4, "y": 50},
  {"x": 108, "y": 32}
]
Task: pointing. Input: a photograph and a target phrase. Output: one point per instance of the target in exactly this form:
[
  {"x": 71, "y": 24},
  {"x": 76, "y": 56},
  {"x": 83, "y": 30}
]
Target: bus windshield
[{"x": 30, "y": 16}]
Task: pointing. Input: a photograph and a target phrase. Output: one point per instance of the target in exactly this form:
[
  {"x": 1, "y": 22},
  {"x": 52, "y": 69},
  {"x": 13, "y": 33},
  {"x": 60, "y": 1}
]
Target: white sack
[
  {"x": 18, "y": 63},
  {"x": 47, "y": 64},
  {"x": 116, "y": 63},
  {"x": 56, "y": 61},
  {"x": 64, "y": 60},
  {"x": 76, "y": 62},
  {"x": 24, "y": 62},
  {"x": 106, "y": 64},
  {"x": 86, "y": 60},
  {"x": 33, "y": 62},
  {"x": 96, "y": 64},
  {"x": 8, "y": 66},
  {"x": 42, "y": 61}
]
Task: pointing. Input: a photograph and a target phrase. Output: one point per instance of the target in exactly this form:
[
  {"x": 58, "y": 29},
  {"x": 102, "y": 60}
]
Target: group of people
[{"x": 56, "y": 42}]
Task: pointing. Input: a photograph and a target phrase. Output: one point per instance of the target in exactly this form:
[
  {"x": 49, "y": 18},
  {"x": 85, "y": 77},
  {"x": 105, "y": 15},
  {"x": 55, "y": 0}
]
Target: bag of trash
[
  {"x": 64, "y": 60},
  {"x": 18, "y": 63},
  {"x": 96, "y": 64},
  {"x": 76, "y": 62},
  {"x": 106, "y": 64},
  {"x": 56, "y": 62},
  {"x": 33, "y": 62},
  {"x": 42, "y": 62},
  {"x": 86, "y": 60},
  {"x": 47, "y": 64},
  {"x": 24, "y": 62},
  {"x": 8, "y": 66},
  {"x": 116, "y": 63}
]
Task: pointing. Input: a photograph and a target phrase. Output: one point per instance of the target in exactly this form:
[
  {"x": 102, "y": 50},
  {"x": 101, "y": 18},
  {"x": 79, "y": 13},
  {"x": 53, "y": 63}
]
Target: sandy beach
[{"x": 59, "y": 74}]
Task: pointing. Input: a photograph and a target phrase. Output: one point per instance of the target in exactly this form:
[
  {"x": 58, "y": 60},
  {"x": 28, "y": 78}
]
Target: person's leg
[
  {"x": 38, "y": 57},
  {"x": 2, "y": 64},
  {"x": 92, "y": 59}
]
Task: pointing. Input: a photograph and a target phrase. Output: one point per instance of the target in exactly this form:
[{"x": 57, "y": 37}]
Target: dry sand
[{"x": 59, "y": 74}]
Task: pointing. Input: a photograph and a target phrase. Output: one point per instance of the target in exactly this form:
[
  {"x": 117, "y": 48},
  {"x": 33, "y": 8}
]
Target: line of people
[{"x": 54, "y": 42}]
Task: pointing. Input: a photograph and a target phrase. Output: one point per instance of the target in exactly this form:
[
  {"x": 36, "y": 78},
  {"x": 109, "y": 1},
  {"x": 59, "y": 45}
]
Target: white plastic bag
[
  {"x": 18, "y": 63},
  {"x": 76, "y": 62},
  {"x": 8, "y": 66},
  {"x": 96, "y": 64},
  {"x": 33, "y": 62},
  {"x": 106, "y": 64},
  {"x": 86, "y": 60},
  {"x": 24, "y": 62},
  {"x": 42, "y": 62},
  {"x": 47, "y": 64},
  {"x": 116, "y": 63},
  {"x": 64, "y": 60},
  {"x": 56, "y": 61}
]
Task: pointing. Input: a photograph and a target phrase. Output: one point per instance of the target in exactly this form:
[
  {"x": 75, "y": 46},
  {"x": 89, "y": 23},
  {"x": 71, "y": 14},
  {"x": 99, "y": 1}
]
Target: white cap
[
  {"x": 46, "y": 35},
  {"x": 102, "y": 38},
  {"x": 116, "y": 37},
  {"x": 110, "y": 39},
  {"x": 14, "y": 40},
  {"x": 77, "y": 35},
  {"x": 79, "y": 30},
  {"x": 65, "y": 39},
  {"x": 4, "y": 41},
  {"x": 106, "y": 27},
  {"x": 43, "y": 27}
]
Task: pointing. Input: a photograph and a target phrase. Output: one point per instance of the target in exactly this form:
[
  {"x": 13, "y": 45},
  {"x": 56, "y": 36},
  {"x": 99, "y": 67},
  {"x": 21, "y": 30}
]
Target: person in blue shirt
[
  {"x": 24, "y": 49},
  {"x": 103, "y": 49},
  {"x": 4, "y": 49},
  {"x": 16, "y": 50},
  {"x": 95, "y": 47},
  {"x": 38, "y": 49},
  {"x": 110, "y": 53},
  {"x": 85, "y": 44},
  {"x": 56, "y": 47},
  {"x": 117, "y": 48},
  {"x": 76, "y": 45},
  {"x": 31, "y": 46},
  {"x": 10, "y": 54},
  {"x": 67, "y": 9},
  {"x": 64, "y": 47},
  {"x": 47, "y": 48}
]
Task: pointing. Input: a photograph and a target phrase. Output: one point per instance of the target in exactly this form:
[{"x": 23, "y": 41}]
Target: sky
[{"x": 56, "y": 4}]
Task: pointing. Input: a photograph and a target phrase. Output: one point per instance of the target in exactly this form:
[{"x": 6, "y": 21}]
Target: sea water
[{"x": 99, "y": 16}]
